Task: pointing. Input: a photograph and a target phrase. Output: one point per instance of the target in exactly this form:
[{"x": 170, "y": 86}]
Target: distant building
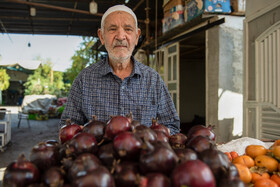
[{"x": 18, "y": 72}]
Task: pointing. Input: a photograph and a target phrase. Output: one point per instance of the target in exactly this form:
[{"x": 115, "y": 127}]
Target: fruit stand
[{"x": 122, "y": 152}]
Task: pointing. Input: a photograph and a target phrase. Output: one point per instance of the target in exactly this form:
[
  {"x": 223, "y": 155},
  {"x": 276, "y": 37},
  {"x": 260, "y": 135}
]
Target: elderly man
[{"x": 119, "y": 84}]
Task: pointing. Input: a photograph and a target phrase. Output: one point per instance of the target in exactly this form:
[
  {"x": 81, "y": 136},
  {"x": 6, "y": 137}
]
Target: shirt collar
[{"x": 108, "y": 69}]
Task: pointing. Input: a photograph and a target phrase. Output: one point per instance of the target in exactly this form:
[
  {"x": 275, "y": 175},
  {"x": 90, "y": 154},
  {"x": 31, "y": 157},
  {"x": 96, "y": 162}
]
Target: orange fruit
[
  {"x": 263, "y": 182},
  {"x": 234, "y": 154},
  {"x": 275, "y": 178},
  {"x": 276, "y": 143},
  {"x": 276, "y": 152},
  {"x": 245, "y": 160},
  {"x": 255, "y": 150},
  {"x": 268, "y": 162},
  {"x": 256, "y": 176},
  {"x": 244, "y": 173}
]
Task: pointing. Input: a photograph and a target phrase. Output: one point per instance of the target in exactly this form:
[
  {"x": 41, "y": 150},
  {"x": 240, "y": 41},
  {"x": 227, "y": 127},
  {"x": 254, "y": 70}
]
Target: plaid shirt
[{"x": 98, "y": 91}]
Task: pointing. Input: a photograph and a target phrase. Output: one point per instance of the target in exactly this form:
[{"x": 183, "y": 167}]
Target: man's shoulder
[
  {"x": 146, "y": 70},
  {"x": 93, "y": 67},
  {"x": 91, "y": 71}
]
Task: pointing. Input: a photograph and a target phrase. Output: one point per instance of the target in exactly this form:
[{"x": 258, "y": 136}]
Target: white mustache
[{"x": 120, "y": 43}]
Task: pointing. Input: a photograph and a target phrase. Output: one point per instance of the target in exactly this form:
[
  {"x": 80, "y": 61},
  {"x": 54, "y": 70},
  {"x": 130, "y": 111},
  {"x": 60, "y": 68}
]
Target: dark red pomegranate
[
  {"x": 186, "y": 154},
  {"x": 95, "y": 127},
  {"x": 116, "y": 125},
  {"x": 216, "y": 160},
  {"x": 145, "y": 132},
  {"x": 200, "y": 130},
  {"x": 127, "y": 174},
  {"x": 107, "y": 154},
  {"x": 52, "y": 142},
  {"x": 178, "y": 140},
  {"x": 194, "y": 173},
  {"x": 161, "y": 136},
  {"x": 21, "y": 173},
  {"x": 157, "y": 157},
  {"x": 155, "y": 179},
  {"x": 236, "y": 182},
  {"x": 98, "y": 177},
  {"x": 199, "y": 143},
  {"x": 44, "y": 155},
  {"x": 83, "y": 164},
  {"x": 133, "y": 123},
  {"x": 68, "y": 131},
  {"x": 54, "y": 176},
  {"x": 159, "y": 127},
  {"x": 127, "y": 146},
  {"x": 82, "y": 143}
]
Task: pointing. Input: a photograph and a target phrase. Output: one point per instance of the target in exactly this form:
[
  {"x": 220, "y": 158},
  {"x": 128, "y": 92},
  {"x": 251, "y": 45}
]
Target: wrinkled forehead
[{"x": 115, "y": 17}]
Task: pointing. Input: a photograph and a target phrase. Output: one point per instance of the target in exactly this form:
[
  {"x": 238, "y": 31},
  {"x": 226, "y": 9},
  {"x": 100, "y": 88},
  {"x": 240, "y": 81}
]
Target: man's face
[{"x": 119, "y": 35}]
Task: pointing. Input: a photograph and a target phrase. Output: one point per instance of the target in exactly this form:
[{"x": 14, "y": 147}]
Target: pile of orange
[{"x": 258, "y": 166}]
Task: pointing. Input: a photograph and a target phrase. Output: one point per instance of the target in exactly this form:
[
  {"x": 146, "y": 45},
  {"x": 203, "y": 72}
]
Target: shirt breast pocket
[{"x": 145, "y": 111}]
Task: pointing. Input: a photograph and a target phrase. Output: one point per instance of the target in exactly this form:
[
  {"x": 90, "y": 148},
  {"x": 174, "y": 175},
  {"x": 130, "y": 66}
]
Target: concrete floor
[{"x": 24, "y": 138}]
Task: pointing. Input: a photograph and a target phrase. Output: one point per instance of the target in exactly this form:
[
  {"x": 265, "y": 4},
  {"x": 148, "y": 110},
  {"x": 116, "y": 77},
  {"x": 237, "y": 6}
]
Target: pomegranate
[
  {"x": 194, "y": 173},
  {"x": 68, "y": 131},
  {"x": 161, "y": 136},
  {"x": 116, "y": 125},
  {"x": 44, "y": 155},
  {"x": 95, "y": 127},
  {"x": 159, "y": 127},
  {"x": 98, "y": 177},
  {"x": 21, "y": 173},
  {"x": 52, "y": 142},
  {"x": 157, "y": 157},
  {"x": 216, "y": 160},
  {"x": 83, "y": 164},
  {"x": 133, "y": 123},
  {"x": 186, "y": 154},
  {"x": 54, "y": 176},
  {"x": 127, "y": 174},
  {"x": 199, "y": 143},
  {"x": 236, "y": 182},
  {"x": 155, "y": 179},
  {"x": 82, "y": 143},
  {"x": 107, "y": 154},
  {"x": 200, "y": 130},
  {"x": 145, "y": 132},
  {"x": 127, "y": 145},
  {"x": 178, "y": 140}
]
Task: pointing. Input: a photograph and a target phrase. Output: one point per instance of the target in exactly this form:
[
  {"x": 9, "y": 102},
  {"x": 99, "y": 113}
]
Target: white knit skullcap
[{"x": 118, "y": 8}]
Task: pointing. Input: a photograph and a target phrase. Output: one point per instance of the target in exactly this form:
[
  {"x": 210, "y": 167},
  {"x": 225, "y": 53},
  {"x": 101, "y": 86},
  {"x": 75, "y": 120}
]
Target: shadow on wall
[{"x": 224, "y": 130}]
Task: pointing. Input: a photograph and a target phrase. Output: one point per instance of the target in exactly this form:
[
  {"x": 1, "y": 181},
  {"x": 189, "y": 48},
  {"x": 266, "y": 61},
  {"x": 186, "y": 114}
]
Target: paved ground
[{"x": 24, "y": 138}]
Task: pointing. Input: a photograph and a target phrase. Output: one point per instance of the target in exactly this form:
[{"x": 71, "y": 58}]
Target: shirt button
[
  {"x": 122, "y": 87},
  {"x": 122, "y": 108}
]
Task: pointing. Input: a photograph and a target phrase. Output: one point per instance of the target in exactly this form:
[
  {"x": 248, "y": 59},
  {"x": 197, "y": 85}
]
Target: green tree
[
  {"x": 4, "y": 79},
  {"x": 82, "y": 58},
  {"x": 45, "y": 81}
]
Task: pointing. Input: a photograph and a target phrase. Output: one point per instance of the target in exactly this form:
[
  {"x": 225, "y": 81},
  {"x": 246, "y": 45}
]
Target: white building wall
[{"x": 227, "y": 58}]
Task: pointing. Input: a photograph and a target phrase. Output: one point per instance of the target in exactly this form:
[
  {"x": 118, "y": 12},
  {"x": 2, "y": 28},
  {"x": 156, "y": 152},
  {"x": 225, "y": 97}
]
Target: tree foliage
[
  {"x": 82, "y": 58},
  {"x": 4, "y": 79},
  {"x": 45, "y": 81}
]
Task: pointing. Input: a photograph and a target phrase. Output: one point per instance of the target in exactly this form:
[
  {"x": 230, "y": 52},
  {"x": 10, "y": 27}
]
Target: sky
[{"x": 59, "y": 49}]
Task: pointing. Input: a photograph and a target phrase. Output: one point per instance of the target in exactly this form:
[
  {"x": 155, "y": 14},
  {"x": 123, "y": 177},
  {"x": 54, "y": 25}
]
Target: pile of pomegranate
[{"x": 122, "y": 152}]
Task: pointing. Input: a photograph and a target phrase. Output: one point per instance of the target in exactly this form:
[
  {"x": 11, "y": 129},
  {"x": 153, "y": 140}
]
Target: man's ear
[
  {"x": 138, "y": 35},
  {"x": 99, "y": 32}
]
